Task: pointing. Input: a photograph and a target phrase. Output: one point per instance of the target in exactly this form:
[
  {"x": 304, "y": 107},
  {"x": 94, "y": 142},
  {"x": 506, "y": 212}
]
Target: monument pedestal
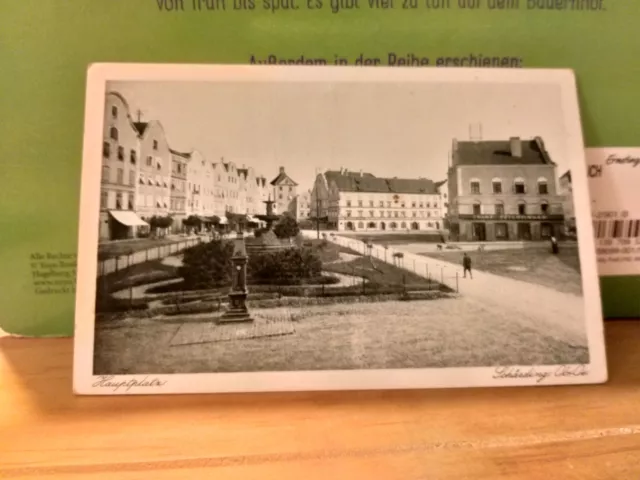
[{"x": 238, "y": 311}]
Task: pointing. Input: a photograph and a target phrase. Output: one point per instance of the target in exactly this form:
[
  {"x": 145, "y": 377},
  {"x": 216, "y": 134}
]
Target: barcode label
[{"x": 627, "y": 228}]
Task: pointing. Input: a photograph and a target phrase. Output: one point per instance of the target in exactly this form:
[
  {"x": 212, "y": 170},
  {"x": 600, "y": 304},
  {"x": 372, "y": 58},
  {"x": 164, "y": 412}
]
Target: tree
[
  {"x": 160, "y": 223},
  {"x": 207, "y": 265},
  {"x": 284, "y": 267},
  {"x": 286, "y": 227},
  {"x": 192, "y": 221}
]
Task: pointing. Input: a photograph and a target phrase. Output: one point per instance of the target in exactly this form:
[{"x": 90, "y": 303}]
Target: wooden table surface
[{"x": 583, "y": 432}]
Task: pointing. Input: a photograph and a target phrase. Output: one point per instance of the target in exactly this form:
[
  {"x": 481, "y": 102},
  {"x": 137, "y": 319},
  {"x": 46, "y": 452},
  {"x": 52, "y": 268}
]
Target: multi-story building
[
  {"x": 284, "y": 192},
  {"x": 361, "y": 201},
  {"x": 302, "y": 205},
  {"x": 503, "y": 190},
  {"x": 227, "y": 187},
  {"x": 154, "y": 171},
  {"x": 143, "y": 177},
  {"x": 198, "y": 170},
  {"x": 120, "y": 154},
  {"x": 566, "y": 190},
  {"x": 178, "y": 198}
]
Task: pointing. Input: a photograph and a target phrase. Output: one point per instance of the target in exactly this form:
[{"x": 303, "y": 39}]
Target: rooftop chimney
[
  {"x": 360, "y": 172},
  {"x": 516, "y": 147},
  {"x": 281, "y": 169}
]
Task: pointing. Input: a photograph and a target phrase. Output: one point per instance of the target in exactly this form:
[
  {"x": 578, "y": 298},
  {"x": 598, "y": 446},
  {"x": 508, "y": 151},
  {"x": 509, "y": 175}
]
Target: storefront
[
  {"x": 488, "y": 228},
  {"x": 122, "y": 224}
]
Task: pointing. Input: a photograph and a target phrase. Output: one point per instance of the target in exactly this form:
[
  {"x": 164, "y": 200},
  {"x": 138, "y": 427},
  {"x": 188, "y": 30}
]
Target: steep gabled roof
[
  {"x": 367, "y": 183},
  {"x": 499, "y": 153},
  {"x": 281, "y": 178},
  {"x": 567, "y": 175}
]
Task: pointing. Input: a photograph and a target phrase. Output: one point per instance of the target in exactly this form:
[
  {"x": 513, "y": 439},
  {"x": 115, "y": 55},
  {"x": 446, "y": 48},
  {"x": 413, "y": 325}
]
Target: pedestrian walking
[
  {"x": 466, "y": 265},
  {"x": 554, "y": 245}
]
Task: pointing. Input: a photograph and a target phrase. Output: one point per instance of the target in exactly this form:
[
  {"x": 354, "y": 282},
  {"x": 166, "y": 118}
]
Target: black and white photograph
[{"x": 250, "y": 228}]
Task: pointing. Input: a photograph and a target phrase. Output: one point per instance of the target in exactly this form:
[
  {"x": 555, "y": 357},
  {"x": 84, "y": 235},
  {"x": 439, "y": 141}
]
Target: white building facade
[{"x": 357, "y": 201}]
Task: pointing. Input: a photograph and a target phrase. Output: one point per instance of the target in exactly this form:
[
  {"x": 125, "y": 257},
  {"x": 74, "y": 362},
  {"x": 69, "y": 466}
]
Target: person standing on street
[{"x": 466, "y": 265}]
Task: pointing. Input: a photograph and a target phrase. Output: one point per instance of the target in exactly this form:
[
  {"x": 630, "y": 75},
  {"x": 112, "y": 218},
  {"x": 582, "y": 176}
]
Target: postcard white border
[{"x": 84, "y": 382}]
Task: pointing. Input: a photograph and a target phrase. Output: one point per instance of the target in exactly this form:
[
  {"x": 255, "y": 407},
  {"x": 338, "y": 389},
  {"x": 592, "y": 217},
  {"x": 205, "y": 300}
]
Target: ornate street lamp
[{"x": 238, "y": 311}]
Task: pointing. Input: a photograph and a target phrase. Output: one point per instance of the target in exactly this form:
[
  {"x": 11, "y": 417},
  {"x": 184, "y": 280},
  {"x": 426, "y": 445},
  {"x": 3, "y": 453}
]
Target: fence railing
[
  {"x": 432, "y": 269},
  {"x": 125, "y": 260}
]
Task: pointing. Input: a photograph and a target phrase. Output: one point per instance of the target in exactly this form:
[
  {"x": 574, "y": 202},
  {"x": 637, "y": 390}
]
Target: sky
[{"x": 389, "y": 130}]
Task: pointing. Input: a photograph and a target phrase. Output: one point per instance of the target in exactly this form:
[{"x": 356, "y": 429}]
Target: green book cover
[{"x": 46, "y": 47}]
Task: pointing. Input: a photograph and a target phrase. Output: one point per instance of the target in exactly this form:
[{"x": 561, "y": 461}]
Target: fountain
[
  {"x": 267, "y": 241},
  {"x": 270, "y": 216}
]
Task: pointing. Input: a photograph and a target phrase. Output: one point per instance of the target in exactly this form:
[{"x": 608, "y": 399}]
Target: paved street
[{"x": 540, "y": 304}]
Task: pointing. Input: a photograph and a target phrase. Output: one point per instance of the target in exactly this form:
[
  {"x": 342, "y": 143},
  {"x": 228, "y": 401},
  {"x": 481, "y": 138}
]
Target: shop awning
[
  {"x": 252, "y": 219},
  {"x": 224, "y": 221},
  {"x": 128, "y": 218}
]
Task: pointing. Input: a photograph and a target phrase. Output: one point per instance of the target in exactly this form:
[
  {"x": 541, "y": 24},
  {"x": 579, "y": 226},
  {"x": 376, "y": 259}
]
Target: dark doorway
[
  {"x": 479, "y": 232},
  {"x": 119, "y": 231},
  {"x": 383, "y": 226},
  {"x": 415, "y": 226},
  {"x": 502, "y": 231},
  {"x": 524, "y": 231},
  {"x": 546, "y": 230},
  {"x": 349, "y": 225}
]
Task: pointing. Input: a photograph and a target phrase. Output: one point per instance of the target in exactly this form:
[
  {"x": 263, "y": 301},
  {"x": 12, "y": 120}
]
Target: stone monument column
[{"x": 238, "y": 311}]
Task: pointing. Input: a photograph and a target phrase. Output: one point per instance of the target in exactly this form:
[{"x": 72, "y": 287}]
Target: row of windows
[
  {"x": 523, "y": 208},
  {"x": 519, "y": 186},
  {"x": 390, "y": 214},
  {"x": 119, "y": 201},
  {"x": 158, "y": 182},
  {"x": 402, "y": 204},
  {"x": 120, "y": 153},
  {"x": 106, "y": 176},
  {"x": 391, "y": 225}
]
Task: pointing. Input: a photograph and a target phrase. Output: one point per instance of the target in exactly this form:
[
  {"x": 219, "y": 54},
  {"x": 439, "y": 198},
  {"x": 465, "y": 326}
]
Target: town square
[{"x": 223, "y": 264}]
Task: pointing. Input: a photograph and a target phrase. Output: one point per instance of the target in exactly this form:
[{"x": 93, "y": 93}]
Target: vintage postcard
[{"x": 274, "y": 228}]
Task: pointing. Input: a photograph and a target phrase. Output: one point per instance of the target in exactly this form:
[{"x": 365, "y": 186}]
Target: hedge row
[{"x": 213, "y": 307}]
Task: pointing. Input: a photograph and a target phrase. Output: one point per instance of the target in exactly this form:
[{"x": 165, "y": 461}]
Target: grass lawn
[
  {"x": 456, "y": 332},
  {"x": 377, "y": 271},
  {"x": 532, "y": 263},
  {"x": 139, "y": 274},
  {"x": 123, "y": 247},
  {"x": 399, "y": 238},
  {"x": 328, "y": 251}
]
